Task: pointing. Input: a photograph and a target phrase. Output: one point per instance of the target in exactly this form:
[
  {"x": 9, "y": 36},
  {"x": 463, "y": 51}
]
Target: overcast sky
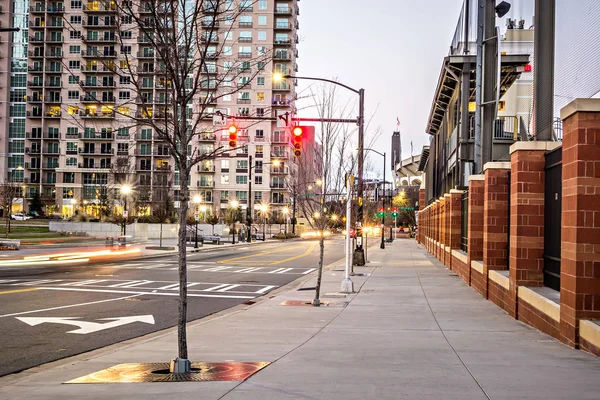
[{"x": 391, "y": 48}]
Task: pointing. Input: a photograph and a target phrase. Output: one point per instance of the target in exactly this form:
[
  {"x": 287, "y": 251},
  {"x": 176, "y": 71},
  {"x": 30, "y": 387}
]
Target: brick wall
[
  {"x": 475, "y": 222},
  {"x": 498, "y": 295}
]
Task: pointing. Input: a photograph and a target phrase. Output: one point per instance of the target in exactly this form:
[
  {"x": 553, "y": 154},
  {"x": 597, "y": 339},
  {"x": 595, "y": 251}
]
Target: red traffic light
[
  {"x": 232, "y": 135},
  {"x": 232, "y": 130},
  {"x": 297, "y": 131}
]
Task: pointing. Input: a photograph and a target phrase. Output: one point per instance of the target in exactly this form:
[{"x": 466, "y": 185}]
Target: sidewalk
[{"x": 414, "y": 331}]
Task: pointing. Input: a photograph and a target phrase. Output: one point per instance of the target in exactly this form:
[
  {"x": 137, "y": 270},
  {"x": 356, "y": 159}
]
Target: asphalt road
[{"x": 50, "y": 313}]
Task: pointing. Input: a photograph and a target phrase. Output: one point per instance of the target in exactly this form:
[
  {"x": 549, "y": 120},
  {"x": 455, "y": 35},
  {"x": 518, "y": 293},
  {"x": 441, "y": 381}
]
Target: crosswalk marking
[
  {"x": 37, "y": 282},
  {"x": 156, "y": 266},
  {"x": 82, "y": 283},
  {"x": 169, "y": 287},
  {"x": 275, "y": 271},
  {"x": 123, "y": 284},
  {"x": 285, "y": 270},
  {"x": 265, "y": 289},
  {"x": 135, "y": 284},
  {"x": 216, "y": 287},
  {"x": 309, "y": 271},
  {"x": 217, "y": 269},
  {"x": 193, "y": 284},
  {"x": 227, "y": 288}
]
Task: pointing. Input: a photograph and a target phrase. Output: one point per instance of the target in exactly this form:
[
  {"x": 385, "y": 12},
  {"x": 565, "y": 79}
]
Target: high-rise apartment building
[{"x": 78, "y": 145}]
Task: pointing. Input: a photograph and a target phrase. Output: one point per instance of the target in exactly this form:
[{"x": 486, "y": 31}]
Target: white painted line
[
  {"x": 126, "y": 283},
  {"x": 38, "y": 282},
  {"x": 243, "y": 270},
  {"x": 265, "y": 289},
  {"x": 193, "y": 284},
  {"x": 136, "y": 284},
  {"x": 217, "y": 269},
  {"x": 70, "y": 305},
  {"x": 275, "y": 271},
  {"x": 155, "y": 266},
  {"x": 222, "y": 296},
  {"x": 309, "y": 271},
  {"x": 169, "y": 287},
  {"x": 82, "y": 283},
  {"x": 228, "y": 288},
  {"x": 285, "y": 270},
  {"x": 7, "y": 280},
  {"x": 216, "y": 287}
]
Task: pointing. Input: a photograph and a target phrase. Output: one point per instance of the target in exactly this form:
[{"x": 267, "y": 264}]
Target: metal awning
[
  {"x": 424, "y": 158},
  {"x": 447, "y": 84}
]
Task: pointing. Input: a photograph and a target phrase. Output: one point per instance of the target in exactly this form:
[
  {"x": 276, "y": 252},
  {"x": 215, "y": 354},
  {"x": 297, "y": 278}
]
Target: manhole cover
[{"x": 159, "y": 372}]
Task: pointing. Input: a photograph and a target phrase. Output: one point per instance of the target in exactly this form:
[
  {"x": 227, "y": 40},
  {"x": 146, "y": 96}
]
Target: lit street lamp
[
  {"x": 264, "y": 210},
  {"x": 125, "y": 191}
]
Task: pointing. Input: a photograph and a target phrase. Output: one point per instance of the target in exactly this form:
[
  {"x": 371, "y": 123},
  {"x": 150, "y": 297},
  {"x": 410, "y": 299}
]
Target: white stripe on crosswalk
[
  {"x": 275, "y": 271},
  {"x": 309, "y": 271},
  {"x": 285, "y": 270},
  {"x": 126, "y": 283},
  {"x": 227, "y": 288},
  {"x": 7, "y": 280},
  {"x": 169, "y": 287},
  {"x": 217, "y": 269},
  {"x": 216, "y": 287},
  {"x": 156, "y": 266},
  {"x": 135, "y": 284},
  {"x": 82, "y": 283},
  {"x": 193, "y": 284},
  {"x": 38, "y": 282},
  {"x": 265, "y": 289}
]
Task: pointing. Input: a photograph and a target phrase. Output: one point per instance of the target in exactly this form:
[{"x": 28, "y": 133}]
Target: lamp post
[
  {"x": 125, "y": 191},
  {"x": 382, "y": 245},
  {"x": 361, "y": 137},
  {"x": 264, "y": 210},
  {"x": 197, "y": 200},
  {"x": 233, "y": 205}
]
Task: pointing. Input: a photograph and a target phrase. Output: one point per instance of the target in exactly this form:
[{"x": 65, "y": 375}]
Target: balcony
[
  {"x": 282, "y": 41},
  {"x": 35, "y": 99},
  {"x": 54, "y": 54},
  {"x": 207, "y": 137},
  {"x": 281, "y": 102},
  {"x": 54, "y": 70},
  {"x": 284, "y": 26},
  {"x": 205, "y": 184},
  {"x": 145, "y": 54},
  {"x": 105, "y": 39},
  {"x": 206, "y": 168},
  {"x": 280, "y": 155},
  {"x": 283, "y": 11},
  {"x": 243, "y": 54},
  {"x": 275, "y": 185},
  {"x": 243, "y": 101},
  {"x": 55, "y": 8},
  {"x": 87, "y": 114},
  {"x": 143, "y": 138},
  {"x": 100, "y": 25},
  {"x": 35, "y": 69},
  {"x": 53, "y": 99},
  {"x": 91, "y": 84},
  {"x": 162, "y": 168},
  {"x": 281, "y": 87},
  {"x": 280, "y": 170},
  {"x": 90, "y": 53},
  {"x": 34, "y": 114},
  {"x": 99, "y": 8},
  {"x": 58, "y": 24},
  {"x": 245, "y": 39},
  {"x": 38, "y": 53},
  {"x": 245, "y": 24},
  {"x": 51, "y": 136},
  {"x": 37, "y": 9},
  {"x": 145, "y": 69},
  {"x": 282, "y": 56},
  {"x": 50, "y": 165},
  {"x": 102, "y": 136},
  {"x": 280, "y": 139},
  {"x": 32, "y": 150}
]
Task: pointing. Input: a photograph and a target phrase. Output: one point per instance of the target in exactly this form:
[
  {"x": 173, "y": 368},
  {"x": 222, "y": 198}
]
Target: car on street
[{"x": 20, "y": 217}]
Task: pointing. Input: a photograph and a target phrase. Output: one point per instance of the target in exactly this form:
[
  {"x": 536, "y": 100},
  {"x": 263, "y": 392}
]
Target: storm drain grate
[{"x": 159, "y": 372}]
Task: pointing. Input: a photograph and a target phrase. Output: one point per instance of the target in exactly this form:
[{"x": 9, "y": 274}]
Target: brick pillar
[
  {"x": 580, "y": 251},
  {"x": 455, "y": 218},
  {"x": 526, "y": 216},
  {"x": 421, "y": 207},
  {"x": 442, "y": 228},
  {"x": 495, "y": 218},
  {"x": 445, "y": 256},
  {"x": 475, "y": 224},
  {"x": 436, "y": 227}
]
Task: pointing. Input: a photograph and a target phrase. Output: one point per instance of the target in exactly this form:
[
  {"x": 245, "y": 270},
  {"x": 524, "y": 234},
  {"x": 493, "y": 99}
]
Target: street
[{"x": 48, "y": 313}]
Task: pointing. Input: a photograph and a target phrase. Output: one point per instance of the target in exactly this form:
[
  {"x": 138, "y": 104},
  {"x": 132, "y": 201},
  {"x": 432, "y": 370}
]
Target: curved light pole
[
  {"x": 382, "y": 245},
  {"x": 361, "y": 137},
  {"x": 125, "y": 191}
]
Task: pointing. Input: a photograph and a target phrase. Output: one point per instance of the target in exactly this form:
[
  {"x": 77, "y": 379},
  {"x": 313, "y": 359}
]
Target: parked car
[{"x": 19, "y": 217}]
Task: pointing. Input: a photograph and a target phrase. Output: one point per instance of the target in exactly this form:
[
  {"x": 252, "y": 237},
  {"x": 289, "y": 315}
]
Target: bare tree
[
  {"x": 9, "y": 191},
  {"x": 180, "y": 72}
]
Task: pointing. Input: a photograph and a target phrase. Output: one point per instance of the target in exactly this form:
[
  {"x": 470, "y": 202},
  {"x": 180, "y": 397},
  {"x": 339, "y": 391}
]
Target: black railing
[{"x": 464, "y": 222}]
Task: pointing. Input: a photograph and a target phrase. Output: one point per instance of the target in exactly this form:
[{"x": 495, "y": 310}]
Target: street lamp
[
  {"x": 264, "y": 210},
  {"x": 233, "y": 205},
  {"x": 249, "y": 212},
  {"x": 125, "y": 191},
  {"x": 277, "y": 77},
  {"x": 382, "y": 245},
  {"x": 286, "y": 212},
  {"x": 197, "y": 200}
]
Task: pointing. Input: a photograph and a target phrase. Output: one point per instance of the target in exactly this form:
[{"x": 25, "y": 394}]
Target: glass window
[
  {"x": 224, "y": 165},
  {"x": 224, "y": 195},
  {"x": 224, "y": 179},
  {"x": 241, "y": 179},
  {"x": 258, "y": 180},
  {"x": 241, "y": 196},
  {"x": 260, "y": 81},
  {"x": 73, "y": 80},
  {"x": 75, "y": 19},
  {"x": 74, "y": 49},
  {"x": 262, "y": 35},
  {"x": 262, "y": 19},
  {"x": 262, "y": 4},
  {"x": 242, "y": 164}
]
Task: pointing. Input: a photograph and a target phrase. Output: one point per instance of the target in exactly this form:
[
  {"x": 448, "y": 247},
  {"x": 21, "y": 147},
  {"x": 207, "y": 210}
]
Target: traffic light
[
  {"x": 232, "y": 135},
  {"x": 395, "y": 212},
  {"x": 297, "y": 134},
  {"x": 381, "y": 212}
]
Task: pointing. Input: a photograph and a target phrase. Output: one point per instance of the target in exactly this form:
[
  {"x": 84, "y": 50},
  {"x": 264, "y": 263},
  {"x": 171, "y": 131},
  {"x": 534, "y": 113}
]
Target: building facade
[{"x": 79, "y": 145}]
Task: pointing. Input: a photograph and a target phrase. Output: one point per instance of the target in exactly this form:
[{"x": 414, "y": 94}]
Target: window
[
  {"x": 229, "y": 36},
  {"x": 124, "y": 132},
  {"x": 124, "y": 80},
  {"x": 245, "y": 36},
  {"x": 74, "y": 64},
  {"x": 126, "y": 35},
  {"x": 260, "y": 96},
  {"x": 72, "y": 131},
  {"x": 258, "y": 195},
  {"x": 241, "y": 196},
  {"x": 224, "y": 179},
  {"x": 260, "y": 112},
  {"x": 260, "y": 134},
  {"x": 225, "y": 195},
  {"x": 224, "y": 165},
  {"x": 76, "y": 4},
  {"x": 260, "y": 81},
  {"x": 258, "y": 181},
  {"x": 241, "y": 179},
  {"x": 227, "y": 97},
  {"x": 75, "y": 19},
  {"x": 227, "y": 65},
  {"x": 125, "y": 19},
  {"x": 262, "y": 19},
  {"x": 124, "y": 95},
  {"x": 262, "y": 35},
  {"x": 73, "y": 94},
  {"x": 262, "y": 4},
  {"x": 75, "y": 34},
  {"x": 259, "y": 149},
  {"x": 73, "y": 80},
  {"x": 74, "y": 49},
  {"x": 262, "y": 50},
  {"x": 227, "y": 50},
  {"x": 71, "y": 147},
  {"x": 125, "y": 49},
  {"x": 242, "y": 164},
  {"x": 17, "y": 110}
]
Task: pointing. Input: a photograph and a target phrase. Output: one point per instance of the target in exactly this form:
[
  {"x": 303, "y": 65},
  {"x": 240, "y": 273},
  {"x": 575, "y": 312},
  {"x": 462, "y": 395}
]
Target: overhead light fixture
[{"x": 502, "y": 9}]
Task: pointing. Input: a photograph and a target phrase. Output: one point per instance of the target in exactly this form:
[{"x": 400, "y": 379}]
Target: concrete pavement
[{"x": 414, "y": 331}]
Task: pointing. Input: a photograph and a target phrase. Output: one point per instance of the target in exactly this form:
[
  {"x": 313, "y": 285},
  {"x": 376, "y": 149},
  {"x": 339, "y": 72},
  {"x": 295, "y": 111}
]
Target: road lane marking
[
  {"x": 86, "y": 327},
  {"x": 265, "y": 289},
  {"x": 18, "y": 291},
  {"x": 82, "y": 283},
  {"x": 123, "y": 284},
  {"x": 275, "y": 271},
  {"x": 193, "y": 284},
  {"x": 310, "y": 249},
  {"x": 285, "y": 270},
  {"x": 169, "y": 287},
  {"x": 217, "y": 269},
  {"x": 262, "y": 253},
  {"x": 222, "y": 296},
  {"x": 246, "y": 270},
  {"x": 309, "y": 271},
  {"x": 69, "y": 305},
  {"x": 216, "y": 287},
  {"x": 136, "y": 284},
  {"x": 7, "y": 280},
  {"x": 37, "y": 282},
  {"x": 228, "y": 288}
]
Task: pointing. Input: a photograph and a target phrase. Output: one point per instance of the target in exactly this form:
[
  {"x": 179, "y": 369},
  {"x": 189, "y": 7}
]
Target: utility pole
[
  {"x": 382, "y": 245},
  {"x": 347, "y": 284},
  {"x": 359, "y": 254},
  {"x": 543, "y": 73},
  {"x": 249, "y": 211}
]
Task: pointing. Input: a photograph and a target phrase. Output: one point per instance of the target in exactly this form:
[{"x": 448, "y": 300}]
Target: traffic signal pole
[{"x": 382, "y": 245}]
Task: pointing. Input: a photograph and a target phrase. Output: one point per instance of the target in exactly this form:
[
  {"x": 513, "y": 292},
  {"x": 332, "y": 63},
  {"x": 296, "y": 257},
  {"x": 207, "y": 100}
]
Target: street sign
[
  {"x": 88, "y": 327},
  {"x": 125, "y": 214},
  {"x": 220, "y": 117}
]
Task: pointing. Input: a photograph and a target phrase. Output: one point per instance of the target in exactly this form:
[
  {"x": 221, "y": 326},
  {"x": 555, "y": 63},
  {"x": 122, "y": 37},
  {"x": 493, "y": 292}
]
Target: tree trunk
[
  {"x": 317, "y": 300},
  {"x": 182, "y": 318}
]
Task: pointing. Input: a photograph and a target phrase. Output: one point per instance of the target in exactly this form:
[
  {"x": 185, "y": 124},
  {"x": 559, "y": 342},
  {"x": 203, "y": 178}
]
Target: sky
[{"x": 391, "y": 48}]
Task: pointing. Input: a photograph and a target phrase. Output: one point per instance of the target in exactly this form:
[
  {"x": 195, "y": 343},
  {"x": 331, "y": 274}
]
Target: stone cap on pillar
[
  {"x": 446, "y": 196},
  {"x": 535, "y": 145},
  {"x": 580, "y": 105},
  {"x": 456, "y": 191},
  {"x": 496, "y": 165},
  {"x": 478, "y": 177}
]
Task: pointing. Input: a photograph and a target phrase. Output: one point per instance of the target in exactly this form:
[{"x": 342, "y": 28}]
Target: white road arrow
[{"x": 88, "y": 327}]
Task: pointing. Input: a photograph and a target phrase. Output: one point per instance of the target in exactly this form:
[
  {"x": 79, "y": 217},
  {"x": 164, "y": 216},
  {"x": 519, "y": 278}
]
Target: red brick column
[
  {"x": 475, "y": 224},
  {"x": 580, "y": 258},
  {"x": 442, "y": 239},
  {"x": 495, "y": 218},
  {"x": 455, "y": 218},
  {"x": 421, "y": 207},
  {"x": 526, "y": 216},
  {"x": 436, "y": 227}
]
